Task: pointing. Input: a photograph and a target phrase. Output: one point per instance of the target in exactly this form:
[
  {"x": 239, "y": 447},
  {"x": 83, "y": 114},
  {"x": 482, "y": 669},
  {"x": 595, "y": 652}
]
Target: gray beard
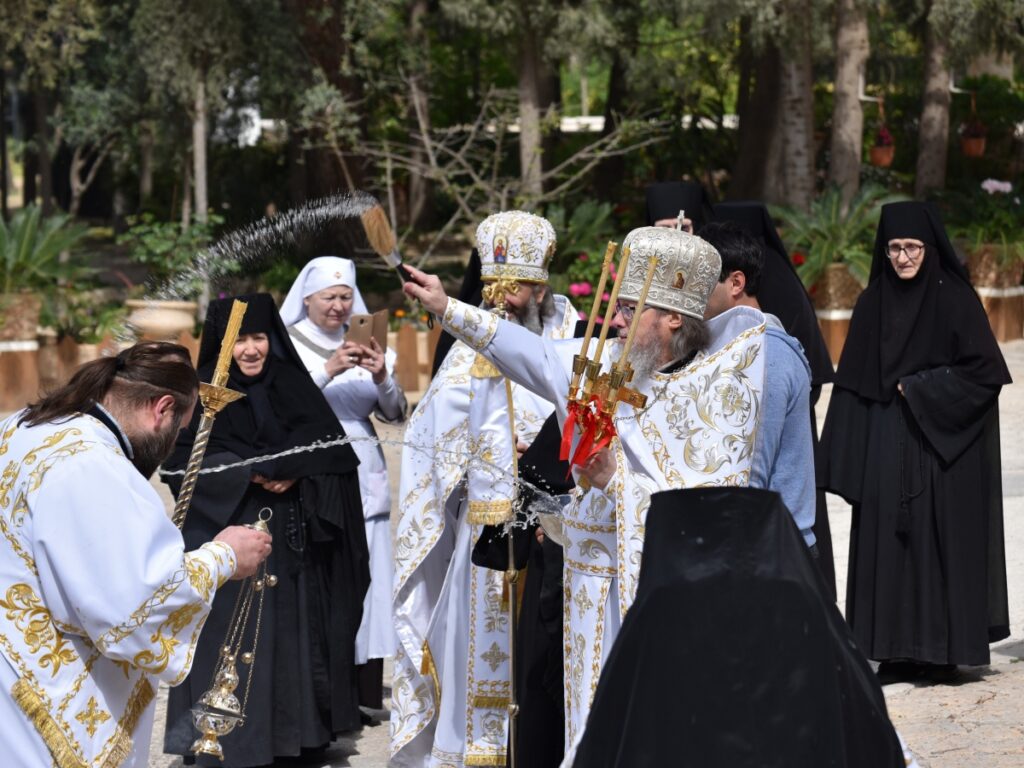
[
  {"x": 645, "y": 359},
  {"x": 528, "y": 316}
]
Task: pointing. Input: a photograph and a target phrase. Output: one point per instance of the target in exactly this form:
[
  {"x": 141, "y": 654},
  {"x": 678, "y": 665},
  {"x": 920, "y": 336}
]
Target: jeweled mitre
[
  {"x": 515, "y": 245},
  {"x": 687, "y": 271}
]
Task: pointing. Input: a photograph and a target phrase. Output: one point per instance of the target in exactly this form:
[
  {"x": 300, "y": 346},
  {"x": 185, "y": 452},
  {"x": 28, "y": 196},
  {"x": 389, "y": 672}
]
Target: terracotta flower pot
[
  {"x": 19, "y": 316},
  {"x": 985, "y": 270},
  {"x": 972, "y": 146},
  {"x": 161, "y": 320},
  {"x": 837, "y": 289},
  {"x": 882, "y": 156}
]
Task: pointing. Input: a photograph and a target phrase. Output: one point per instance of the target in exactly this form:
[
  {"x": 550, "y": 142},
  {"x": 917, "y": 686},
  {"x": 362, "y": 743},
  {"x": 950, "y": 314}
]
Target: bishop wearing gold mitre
[{"x": 451, "y": 687}]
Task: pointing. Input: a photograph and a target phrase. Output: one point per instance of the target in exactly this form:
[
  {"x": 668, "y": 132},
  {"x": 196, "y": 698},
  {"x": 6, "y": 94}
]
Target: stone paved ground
[{"x": 977, "y": 721}]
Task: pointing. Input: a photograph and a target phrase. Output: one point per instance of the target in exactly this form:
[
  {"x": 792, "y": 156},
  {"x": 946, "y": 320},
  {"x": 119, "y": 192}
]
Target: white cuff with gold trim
[{"x": 471, "y": 325}]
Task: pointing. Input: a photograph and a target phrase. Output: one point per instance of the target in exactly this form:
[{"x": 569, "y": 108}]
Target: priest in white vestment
[
  {"x": 704, "y": 384},
  {"x": 99, "y": 601},
  {"x": 452, "y": 681}
]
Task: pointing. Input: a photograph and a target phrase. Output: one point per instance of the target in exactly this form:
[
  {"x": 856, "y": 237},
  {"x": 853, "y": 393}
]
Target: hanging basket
[
  {"x": 972, "y": 146},
  {"x": 882, "y": 157}
]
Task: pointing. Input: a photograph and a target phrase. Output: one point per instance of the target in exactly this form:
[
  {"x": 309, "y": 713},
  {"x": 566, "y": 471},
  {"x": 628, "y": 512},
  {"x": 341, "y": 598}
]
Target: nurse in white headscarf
[{"x": 357, "y": 380}]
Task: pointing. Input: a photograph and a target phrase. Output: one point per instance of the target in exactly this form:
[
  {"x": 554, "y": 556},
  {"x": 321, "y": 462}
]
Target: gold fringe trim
[
  {"x": 483, "y": 368},
  {"x": 427, "y": 667},
  {"x": 488, "y": 761},
  {"x": 490, "y": 512},
  {"x": 64, "y": 755},
  {"x": 122, "y": 738},
  {"x": 488, "y": 701},
  {"x": 56, "y": 740}
]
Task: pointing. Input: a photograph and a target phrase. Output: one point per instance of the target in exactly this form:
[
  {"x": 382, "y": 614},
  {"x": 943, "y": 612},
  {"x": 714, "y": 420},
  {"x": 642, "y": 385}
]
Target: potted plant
[
  {"x": 988, "y": 224},
  {"x": 169, "y": 252},
  {"x": 972, "y": 137},
  {"x": 30, "y": 248},
  {"x": 883, "y": 150}
]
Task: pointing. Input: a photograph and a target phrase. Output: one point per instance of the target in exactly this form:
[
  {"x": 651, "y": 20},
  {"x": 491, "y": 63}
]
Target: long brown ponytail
[{"x": 136, "y": 376}]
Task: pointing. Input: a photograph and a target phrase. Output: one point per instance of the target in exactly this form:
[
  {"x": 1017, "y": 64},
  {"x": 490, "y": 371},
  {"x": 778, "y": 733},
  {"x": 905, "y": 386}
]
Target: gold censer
[{"x": 219, "y": 711}]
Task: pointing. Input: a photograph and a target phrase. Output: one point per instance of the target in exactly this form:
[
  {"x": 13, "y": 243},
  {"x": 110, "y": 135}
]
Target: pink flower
[
  {"x": 605, "y": 296},
  {"x": 582, "y": 288},
  {"x": 583, "y": 256},
  {"x": 581, "y": 315}
]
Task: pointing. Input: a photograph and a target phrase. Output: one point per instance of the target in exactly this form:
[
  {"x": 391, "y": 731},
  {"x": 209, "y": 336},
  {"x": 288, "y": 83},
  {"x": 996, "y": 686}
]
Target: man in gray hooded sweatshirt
[{"x": 784, "y": 452}]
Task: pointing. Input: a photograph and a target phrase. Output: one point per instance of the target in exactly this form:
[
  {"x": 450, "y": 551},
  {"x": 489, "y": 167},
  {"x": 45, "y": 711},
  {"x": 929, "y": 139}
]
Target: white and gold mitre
[
  {"x": 515, "y": 245},
  {"x": 688, "y": 270}
]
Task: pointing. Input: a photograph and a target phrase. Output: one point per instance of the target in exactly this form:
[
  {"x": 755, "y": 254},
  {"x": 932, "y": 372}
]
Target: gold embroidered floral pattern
[
  {"x": 8, "y": 432},
  {"x": 582, "y": 600},
  {"x": 7, "y": 481},
  {"x": 15, "y": 542},
  {"x": 495, "y": 619},
  {"x": 35, "y": 478},
  {"x": 26, "y": 610},
  {"x": 199, "y": 576},
  {"x": 139, "y": 616},
  {"x": 165, "y": 638},
  {"x": 91, "y": 715},
  {"x": 49, "y": 442}
]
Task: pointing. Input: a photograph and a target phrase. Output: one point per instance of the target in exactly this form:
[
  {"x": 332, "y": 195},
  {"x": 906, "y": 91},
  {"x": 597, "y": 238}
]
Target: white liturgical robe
[
  {"x": 699, "y": 427},
  {"x": 98, "y": 599},
  {"x": 452, "y": 627}
]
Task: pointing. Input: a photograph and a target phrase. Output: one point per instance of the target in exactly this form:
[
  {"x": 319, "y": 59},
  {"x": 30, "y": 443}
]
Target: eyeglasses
[
  {"x": 626, "y": 310},
  {"x": 911, "y": 249}
]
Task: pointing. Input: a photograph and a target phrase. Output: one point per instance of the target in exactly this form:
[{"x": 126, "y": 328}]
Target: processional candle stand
[
  {"x": 593, "y": 396},
  {"x": 495, "y": 293},
  {"x": 219, "y": 711}
]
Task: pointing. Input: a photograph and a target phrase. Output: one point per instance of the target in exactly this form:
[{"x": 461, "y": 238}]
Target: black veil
[{"x": 782, "y": 293}]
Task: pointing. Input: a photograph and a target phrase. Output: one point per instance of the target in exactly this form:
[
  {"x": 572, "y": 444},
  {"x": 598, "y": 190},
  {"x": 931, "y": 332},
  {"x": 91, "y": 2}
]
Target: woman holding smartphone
[{"x": 357, "y": 379}]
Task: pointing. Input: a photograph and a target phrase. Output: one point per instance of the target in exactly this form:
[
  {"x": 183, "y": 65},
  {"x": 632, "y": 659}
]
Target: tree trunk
[
  {"x": 933, "y": 135},
  {"x": 186, "y": 191},
  {"x": 852, "y": 48},
  {"x": 609, "y": 173},
  {"x": 202, "y": 202},
  {"x": 43, "y": 150},
  {"x": 796, "y": 126},
  {"x": 30, "y": 157},
  {"x": 419, "y": 187},
  {"x": 530, "y": 137},
  {"x": 85, "y": 164},
  {"x": 758, "y": 122},
  {"x": 3, "y": 143},
  {"x": 145, "y": 164}
]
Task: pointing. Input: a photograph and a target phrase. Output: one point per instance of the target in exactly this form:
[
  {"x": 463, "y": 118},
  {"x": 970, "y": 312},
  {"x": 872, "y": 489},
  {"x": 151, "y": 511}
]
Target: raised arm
[{"x": 540, "y": 364}]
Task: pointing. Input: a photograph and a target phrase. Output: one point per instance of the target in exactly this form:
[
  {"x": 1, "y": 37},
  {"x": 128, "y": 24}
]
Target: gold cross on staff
[{"x": 91, "y": 716}]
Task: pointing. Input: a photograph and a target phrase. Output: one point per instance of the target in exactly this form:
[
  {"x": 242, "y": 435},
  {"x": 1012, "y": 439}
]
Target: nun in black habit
[
  {"x": 911, "y": 440},
  {"x": 782, "y": 293},
  {"x": 303, "y": 687}
]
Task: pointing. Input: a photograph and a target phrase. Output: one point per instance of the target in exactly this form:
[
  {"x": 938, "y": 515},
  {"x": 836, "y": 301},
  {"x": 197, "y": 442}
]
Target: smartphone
[{"x": 363, "y": 328}]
